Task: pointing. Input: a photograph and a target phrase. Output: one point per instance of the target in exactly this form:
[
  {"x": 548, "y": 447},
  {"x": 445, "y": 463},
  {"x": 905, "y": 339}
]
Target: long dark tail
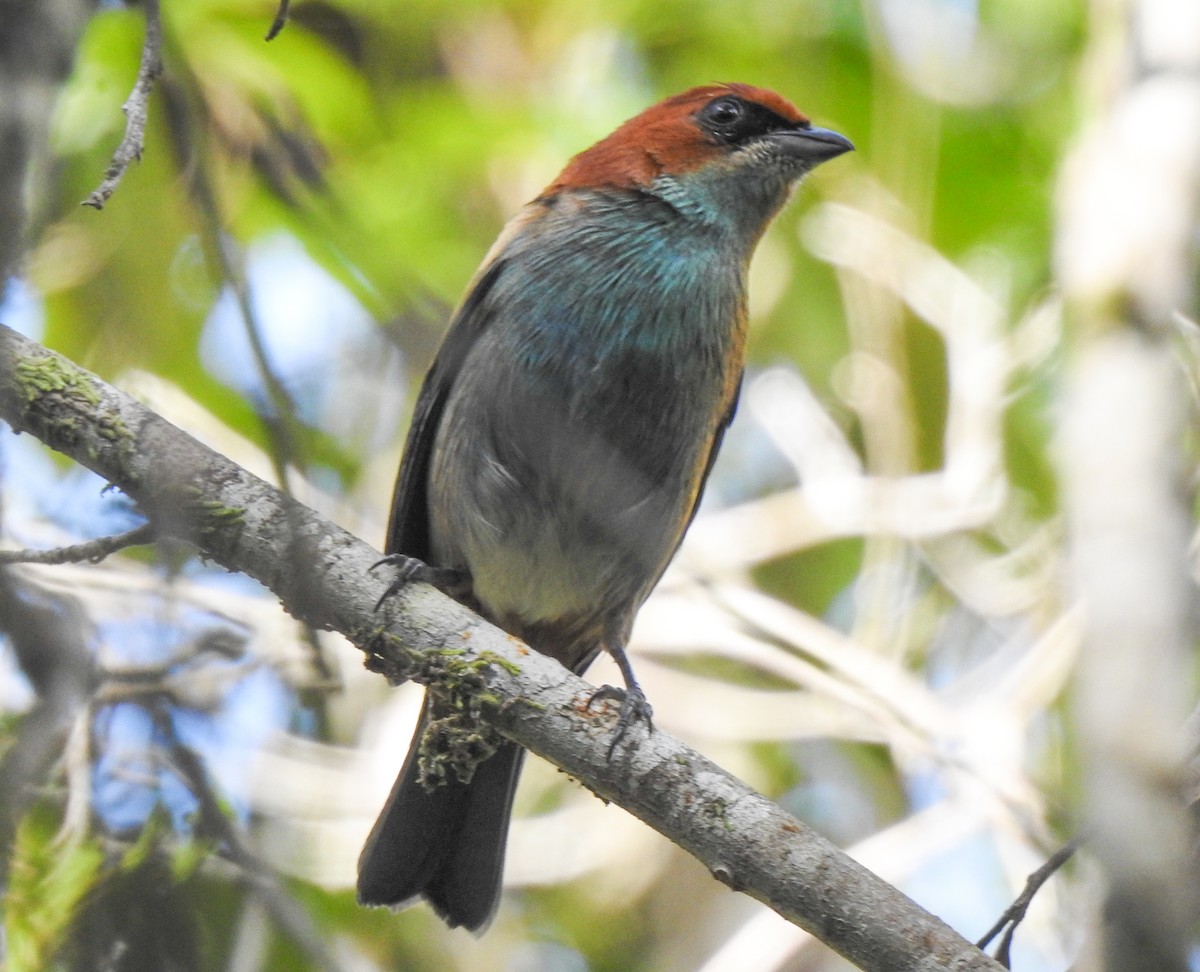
[{"x": 445, "y": 844}]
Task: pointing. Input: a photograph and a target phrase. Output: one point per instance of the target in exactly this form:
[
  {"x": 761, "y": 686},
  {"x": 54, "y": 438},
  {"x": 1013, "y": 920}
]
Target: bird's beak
[{"x": 813, "y": 145}]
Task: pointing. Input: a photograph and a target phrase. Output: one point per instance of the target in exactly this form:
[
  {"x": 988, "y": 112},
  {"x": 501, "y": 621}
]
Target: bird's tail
[{"x": 445, "y": 844}]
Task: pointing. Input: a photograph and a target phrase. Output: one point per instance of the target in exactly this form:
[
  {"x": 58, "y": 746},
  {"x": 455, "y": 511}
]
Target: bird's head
[{"x": 723, "y": 153}]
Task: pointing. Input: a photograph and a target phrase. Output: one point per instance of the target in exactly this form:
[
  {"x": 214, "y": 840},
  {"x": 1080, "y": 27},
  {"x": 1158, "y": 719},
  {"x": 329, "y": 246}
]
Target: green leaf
[{"x": 49, "y": 880}]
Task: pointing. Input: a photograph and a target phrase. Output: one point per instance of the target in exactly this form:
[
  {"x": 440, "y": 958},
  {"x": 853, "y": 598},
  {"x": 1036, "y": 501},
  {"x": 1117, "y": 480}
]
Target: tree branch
[
  {"x": 136, "y": 109},
  {"x": 281, "y": 19},
  {"x": 92, "y": 551},
  {"x": 322, "y": 574}
]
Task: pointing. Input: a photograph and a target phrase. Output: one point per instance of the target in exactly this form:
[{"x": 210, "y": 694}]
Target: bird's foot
[
  {"x": 449, "y": 580},
  {"x": 634, "y": 708}
]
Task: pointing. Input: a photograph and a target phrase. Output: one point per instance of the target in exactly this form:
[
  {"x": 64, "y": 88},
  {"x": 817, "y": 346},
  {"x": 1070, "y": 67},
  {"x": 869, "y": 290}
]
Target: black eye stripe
[{"x": 734, "y": 120}]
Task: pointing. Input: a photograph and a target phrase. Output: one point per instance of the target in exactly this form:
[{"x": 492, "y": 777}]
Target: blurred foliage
[
  {"x": 48, "y": 881},
  {"x": 386, "y": 143}
]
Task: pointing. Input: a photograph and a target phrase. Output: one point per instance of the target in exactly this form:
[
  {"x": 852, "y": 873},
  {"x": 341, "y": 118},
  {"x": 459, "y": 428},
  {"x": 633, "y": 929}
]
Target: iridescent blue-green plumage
[
  {"x": 563, "y": 435},
  {"x": 576, "y": 452}
]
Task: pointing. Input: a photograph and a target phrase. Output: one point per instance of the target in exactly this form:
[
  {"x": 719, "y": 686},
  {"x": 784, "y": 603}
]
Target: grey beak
[{"x": 814, "y": 145}]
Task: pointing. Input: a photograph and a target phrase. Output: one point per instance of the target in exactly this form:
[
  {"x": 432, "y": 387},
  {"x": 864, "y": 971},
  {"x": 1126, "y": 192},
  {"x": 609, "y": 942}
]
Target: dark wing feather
[{"x": 408, "y": 525}]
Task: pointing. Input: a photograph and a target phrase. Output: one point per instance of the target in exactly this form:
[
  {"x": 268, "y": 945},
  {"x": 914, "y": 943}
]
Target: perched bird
[{"x": 564, "y": 433}]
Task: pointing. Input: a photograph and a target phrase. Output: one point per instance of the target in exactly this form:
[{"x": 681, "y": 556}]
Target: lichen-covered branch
[{"x": 322, "y": 574}]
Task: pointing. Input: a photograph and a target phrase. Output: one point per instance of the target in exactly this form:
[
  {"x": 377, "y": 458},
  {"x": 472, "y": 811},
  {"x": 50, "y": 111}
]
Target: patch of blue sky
[
  {"x": 133, "y": 773},
  {"x": 968, "y": 887},
  {"x": 21, "y": 308},
  {"x": 37, "y": 489},
  {"x": 305, "y": 316}
]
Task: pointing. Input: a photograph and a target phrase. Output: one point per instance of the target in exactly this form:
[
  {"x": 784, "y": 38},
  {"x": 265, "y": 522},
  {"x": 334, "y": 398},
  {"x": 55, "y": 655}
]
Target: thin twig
[
  {"x": 280, "y": 19},
  {"x": 1014, "y": 914},
  {"x": 91, "y": 551},
  {"x": 135, "y": 109}
]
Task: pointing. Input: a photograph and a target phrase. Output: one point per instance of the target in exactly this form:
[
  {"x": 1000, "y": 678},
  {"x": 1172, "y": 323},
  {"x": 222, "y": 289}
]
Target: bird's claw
[
  {"x": 409, "y": 569},
  {"x": 634, "y": 708}
]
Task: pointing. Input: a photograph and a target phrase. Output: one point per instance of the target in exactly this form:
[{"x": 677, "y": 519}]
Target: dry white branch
[{"x": 836, "y": 498}]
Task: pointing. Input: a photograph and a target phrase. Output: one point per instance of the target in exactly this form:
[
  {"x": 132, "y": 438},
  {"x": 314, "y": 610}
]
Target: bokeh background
[{"x": 873, "y": 620}]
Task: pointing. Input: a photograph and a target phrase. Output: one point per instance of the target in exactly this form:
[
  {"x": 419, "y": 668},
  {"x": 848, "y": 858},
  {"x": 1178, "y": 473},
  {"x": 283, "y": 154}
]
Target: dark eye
[
  {"x": 734, "y": 120},
  {"x": 724, "y": 112}
]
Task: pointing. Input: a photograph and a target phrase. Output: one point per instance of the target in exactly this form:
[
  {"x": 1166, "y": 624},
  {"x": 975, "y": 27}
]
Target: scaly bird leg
[{"x": 633, "y": 700}]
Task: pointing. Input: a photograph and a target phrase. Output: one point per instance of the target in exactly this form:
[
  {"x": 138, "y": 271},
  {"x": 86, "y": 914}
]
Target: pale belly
[{"x": 577, "y": 536}]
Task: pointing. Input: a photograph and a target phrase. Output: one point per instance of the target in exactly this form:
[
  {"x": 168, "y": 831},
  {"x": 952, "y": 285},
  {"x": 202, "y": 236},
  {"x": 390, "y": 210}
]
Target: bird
[{"x": 563, "y": 435}]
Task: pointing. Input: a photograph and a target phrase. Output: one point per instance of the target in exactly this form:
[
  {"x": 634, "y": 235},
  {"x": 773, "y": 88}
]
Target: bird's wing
[
  {"x": 408, "y": 525},
  {"x": 712, "y": 458}
]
